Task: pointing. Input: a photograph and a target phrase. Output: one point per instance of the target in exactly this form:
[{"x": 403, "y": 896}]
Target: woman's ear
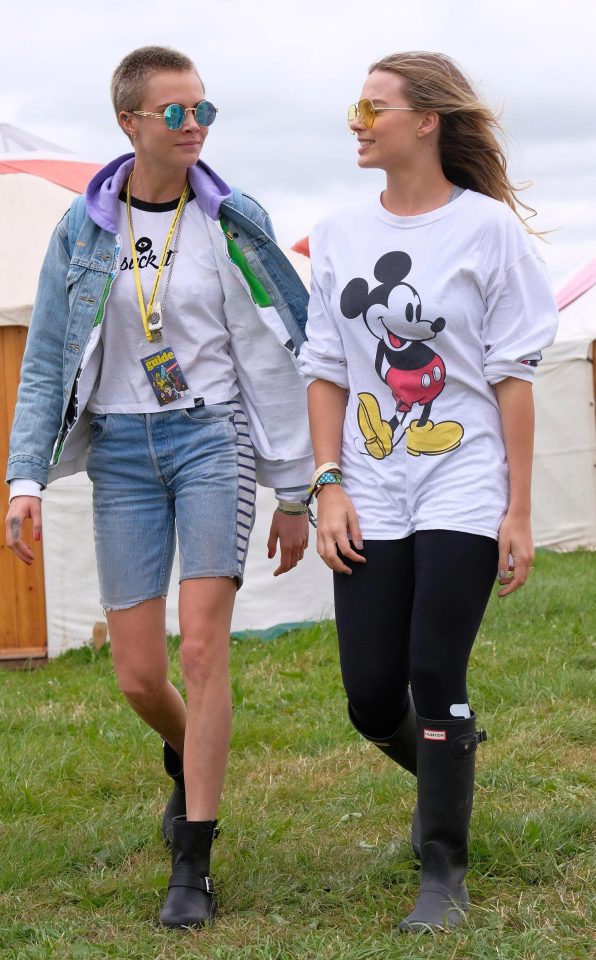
[
  {"x": 429, "y": 123},
  {"x": 127, "y": 122}
]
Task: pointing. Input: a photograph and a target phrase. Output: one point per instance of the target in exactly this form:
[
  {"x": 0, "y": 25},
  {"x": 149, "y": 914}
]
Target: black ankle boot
[
  {"x": 445, "y": 790},
  {"x": 401, "y": 748},
  {"x": 191, "y": 898},
  {"x": 176, "y": 805}
]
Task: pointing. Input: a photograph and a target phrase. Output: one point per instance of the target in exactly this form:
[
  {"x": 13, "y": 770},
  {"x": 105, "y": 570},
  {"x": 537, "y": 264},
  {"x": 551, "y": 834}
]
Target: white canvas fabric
[
  {"x": 31, "y": 208},
  {"x": 564, "y": 479}
]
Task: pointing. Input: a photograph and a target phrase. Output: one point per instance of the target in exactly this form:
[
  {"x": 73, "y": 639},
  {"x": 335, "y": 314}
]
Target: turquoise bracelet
[{"x": 326, "y": 478}]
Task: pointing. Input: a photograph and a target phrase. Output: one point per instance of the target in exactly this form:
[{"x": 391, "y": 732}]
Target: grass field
[{"x": 313, "y": 860}]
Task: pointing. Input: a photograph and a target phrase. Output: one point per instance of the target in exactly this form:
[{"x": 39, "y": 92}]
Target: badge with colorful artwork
[{"x": 165, "y": 376}]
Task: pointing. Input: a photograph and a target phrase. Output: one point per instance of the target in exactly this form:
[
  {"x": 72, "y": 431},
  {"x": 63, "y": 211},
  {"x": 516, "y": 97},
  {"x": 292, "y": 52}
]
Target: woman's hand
[
  {"x": 20, "y": 509},
  {"x": 292, "y": 533},
  {"x": 337, "y": 524},
  {"x": 515, "y": 542}
]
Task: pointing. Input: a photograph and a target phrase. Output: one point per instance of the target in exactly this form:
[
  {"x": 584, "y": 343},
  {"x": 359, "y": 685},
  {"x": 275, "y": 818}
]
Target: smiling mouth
[
  {"x": 365, "y": 143},
  {"x": 404, "y": 333}
]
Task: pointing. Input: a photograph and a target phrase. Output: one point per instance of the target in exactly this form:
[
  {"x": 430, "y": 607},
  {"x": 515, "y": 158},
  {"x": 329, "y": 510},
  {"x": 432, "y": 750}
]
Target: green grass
[{"x": 313, "y": 860}]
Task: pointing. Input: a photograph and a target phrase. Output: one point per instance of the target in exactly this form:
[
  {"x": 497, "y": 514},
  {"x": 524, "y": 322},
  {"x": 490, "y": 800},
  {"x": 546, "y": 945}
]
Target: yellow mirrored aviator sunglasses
[{"x": 366, "y": 111}]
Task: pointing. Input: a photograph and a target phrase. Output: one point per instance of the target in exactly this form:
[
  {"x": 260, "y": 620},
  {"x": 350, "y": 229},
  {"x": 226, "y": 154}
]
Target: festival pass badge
[{"x": 165, "y": 376}]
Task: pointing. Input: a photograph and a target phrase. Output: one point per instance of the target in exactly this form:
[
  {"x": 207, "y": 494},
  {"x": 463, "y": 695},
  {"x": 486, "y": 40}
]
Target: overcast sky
[{"x": 282, "y": 73}]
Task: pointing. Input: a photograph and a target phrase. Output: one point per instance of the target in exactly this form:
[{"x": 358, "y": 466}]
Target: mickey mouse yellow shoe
[
  {"x": 377, "y": 433},
  {"x": 433, "y": 438}
]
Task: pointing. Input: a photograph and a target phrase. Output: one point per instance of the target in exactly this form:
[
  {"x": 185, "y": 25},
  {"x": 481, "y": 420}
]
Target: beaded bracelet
[
  {"x": 326, "y": 478},
  {"x": 321, "y": 479}
]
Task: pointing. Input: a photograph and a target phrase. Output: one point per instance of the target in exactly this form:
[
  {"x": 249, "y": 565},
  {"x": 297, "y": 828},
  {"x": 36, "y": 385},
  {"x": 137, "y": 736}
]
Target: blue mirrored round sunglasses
[{"x": 175, "y": 114}]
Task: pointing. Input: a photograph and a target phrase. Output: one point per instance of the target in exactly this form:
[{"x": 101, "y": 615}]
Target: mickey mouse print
[{"x": 413, "y": 370}]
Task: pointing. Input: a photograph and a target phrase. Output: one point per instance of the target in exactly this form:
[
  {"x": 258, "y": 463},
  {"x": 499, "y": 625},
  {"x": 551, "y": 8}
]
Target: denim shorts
[{"x": 186, "y": 473}]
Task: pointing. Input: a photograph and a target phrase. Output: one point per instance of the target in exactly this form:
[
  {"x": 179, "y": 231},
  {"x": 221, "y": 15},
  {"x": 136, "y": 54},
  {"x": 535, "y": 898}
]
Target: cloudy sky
[{"x": 282, "y": 73}]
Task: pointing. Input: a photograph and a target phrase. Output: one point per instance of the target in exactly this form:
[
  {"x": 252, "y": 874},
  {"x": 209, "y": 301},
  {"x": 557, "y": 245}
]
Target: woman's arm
[
  {"x": 337, "y": 522},
  {"x": 516, "y": 405}
]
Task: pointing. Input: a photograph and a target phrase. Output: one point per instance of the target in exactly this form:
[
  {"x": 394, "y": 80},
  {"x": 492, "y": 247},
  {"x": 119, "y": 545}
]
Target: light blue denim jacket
[{"x": 50, "y": 436}]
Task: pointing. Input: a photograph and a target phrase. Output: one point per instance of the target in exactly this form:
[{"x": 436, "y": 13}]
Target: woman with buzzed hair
[{"x": 162, "y": 355}]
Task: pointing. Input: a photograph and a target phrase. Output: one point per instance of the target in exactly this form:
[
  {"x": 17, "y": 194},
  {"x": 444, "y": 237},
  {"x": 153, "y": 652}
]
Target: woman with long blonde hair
[{"x": 428, "y": 311}]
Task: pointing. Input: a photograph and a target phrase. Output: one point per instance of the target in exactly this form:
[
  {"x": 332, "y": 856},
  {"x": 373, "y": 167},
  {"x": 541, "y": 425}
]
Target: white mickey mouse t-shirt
[{"x": 418, "y": 317}]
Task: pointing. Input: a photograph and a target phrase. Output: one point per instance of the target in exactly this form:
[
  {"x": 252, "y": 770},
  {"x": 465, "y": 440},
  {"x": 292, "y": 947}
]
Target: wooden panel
[
  {"x": 21, "y": 653},
  {"x": 22, "y": 595}
]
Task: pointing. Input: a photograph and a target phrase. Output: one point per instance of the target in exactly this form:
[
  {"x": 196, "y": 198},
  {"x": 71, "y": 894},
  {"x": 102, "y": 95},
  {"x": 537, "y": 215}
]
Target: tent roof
[
  {"x": 302, "y": 246},
  {"x": 13, "y": 140},
  {"x": 23, "y": 152},
  {"x": 580, "y": 283},
  {"x": 576, "y": 301},
  {"x": 72, "y": 174}
]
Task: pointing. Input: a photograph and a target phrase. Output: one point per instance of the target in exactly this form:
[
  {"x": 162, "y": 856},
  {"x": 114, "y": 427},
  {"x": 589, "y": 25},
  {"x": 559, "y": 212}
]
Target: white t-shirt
[
  {"x": 417, "y": 317},
  {"x": 194, "y": 326}
]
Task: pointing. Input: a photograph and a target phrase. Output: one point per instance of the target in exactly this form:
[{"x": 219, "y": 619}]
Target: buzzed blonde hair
[
  {"x": 131, "y": 75},
  {"x": 472, "y": 155}
]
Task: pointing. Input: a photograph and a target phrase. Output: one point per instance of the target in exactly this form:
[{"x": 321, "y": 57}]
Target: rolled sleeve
[
  {"x": 322, "y": 357},
  {"x": 520, "y": 321}
]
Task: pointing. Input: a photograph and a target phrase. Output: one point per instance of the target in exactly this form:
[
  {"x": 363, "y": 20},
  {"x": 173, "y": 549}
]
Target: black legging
[{"x": 411, "y": 614}]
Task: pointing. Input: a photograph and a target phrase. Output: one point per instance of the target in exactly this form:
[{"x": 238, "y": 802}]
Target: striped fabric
[{"x": 247, "y": 484}]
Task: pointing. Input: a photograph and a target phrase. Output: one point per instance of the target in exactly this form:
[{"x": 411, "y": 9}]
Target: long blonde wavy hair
[{"x": 471, "y": 154}]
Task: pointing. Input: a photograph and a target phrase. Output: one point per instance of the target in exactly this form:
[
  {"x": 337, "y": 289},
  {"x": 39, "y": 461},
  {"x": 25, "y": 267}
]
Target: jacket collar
[{"x": 103, "y": 191}]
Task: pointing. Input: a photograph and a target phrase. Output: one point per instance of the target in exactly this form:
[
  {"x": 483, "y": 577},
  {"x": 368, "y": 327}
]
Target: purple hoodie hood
[{"x": 104, "y": 190}]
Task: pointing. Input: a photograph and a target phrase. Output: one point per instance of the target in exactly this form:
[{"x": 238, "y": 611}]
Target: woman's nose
[{"x": 190, "y": 121}]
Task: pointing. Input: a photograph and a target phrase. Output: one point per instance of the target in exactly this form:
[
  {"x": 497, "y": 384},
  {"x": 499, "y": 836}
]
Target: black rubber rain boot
[
  {"x": 401, "y": 748},
  {"x": 445, "y": 791},
  {"x": 176, "y": 805},
  {"x": 191, "y": 899}
]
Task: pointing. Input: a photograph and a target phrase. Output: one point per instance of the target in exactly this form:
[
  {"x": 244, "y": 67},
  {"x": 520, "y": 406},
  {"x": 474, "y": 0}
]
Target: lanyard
[{"x": 146, "y": 311}]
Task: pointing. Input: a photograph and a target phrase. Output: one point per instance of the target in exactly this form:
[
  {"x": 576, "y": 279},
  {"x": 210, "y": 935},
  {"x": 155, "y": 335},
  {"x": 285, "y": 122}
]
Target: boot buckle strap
[
  {"x": 186, "y": 876},
  {"x": 465, "y": 745}
]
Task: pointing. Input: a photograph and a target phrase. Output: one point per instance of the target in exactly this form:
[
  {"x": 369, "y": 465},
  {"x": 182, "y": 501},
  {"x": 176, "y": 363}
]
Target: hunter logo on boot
[{"x": 435, "y": 734}]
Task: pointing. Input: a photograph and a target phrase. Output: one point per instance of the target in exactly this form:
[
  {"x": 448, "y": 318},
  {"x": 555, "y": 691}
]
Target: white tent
[
  {"x": 564, "y": 487},
  {"x": 28, "y": 197}
]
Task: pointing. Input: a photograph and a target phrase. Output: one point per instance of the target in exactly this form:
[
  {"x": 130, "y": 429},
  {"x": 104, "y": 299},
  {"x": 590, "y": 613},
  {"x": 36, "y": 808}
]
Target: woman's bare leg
[
  {"x": 205, "y": 618},
  {"x": 139, "y": 652}
]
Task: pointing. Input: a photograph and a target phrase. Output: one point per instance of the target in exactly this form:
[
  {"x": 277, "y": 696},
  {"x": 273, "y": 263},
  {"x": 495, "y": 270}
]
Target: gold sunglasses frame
[
  {"x": 355, "y": 108},
  {"x": 160, "y": 116}
]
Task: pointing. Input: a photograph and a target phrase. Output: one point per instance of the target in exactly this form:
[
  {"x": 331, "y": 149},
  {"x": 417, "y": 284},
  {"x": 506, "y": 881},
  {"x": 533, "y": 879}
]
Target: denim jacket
[{"x": 265, "y": 306}]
